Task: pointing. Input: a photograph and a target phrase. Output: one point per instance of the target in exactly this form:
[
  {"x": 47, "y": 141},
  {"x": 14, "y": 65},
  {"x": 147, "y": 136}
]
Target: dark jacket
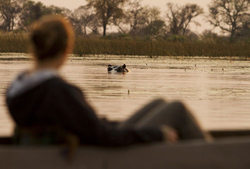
[{"x": 50, "y": 101}]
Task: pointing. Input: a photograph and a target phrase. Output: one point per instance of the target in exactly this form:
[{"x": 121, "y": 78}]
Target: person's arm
[{"x": 78, "y": 117}]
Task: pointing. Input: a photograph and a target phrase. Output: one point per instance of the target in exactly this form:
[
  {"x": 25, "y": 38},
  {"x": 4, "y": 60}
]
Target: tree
[
  {"x": 106, "y": 10},
  {"x": 229, "y": 15},
  {"x": 135, "y": 15},
  {"x": 83, "y": 18},
  {"x": 9, "y": 9},
  {"x": 153, "y": 22},
  {"x": 208, "y": 36},
  {"x": 155, "y": 28},
  {"x": 244, "y": 32},
  {"x": 132, "y": 19},
  {"x": 179, "y": 17},
  {"x": 121, "y": 20},
  {"x": 32, "y": 11}
]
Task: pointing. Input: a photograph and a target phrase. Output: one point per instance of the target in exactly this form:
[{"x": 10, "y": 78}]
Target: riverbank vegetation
[
  {"x": 174, "y": 46},
  {"x": 126, "y": 27}
]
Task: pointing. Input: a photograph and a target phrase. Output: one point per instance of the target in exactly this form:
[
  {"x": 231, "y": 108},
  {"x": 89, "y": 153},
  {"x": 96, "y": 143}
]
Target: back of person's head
[{"x": 51, "y": 37}]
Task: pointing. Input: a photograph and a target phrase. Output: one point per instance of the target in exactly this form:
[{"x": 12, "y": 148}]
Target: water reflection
[{"x": 217, "y": 91}]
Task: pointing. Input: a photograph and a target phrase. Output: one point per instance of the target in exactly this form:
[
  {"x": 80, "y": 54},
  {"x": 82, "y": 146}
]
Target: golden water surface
[{"x": 216, "y": 91}]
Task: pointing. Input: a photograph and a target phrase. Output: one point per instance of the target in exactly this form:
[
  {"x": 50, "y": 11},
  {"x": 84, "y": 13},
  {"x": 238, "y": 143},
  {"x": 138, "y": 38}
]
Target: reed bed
[
  {"x": 18, "y": 43},
  {"x": 13, "y": 43}
]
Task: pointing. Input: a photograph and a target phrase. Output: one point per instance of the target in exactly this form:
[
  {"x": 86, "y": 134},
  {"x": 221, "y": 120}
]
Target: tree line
[{"x": 132, "y": 19}]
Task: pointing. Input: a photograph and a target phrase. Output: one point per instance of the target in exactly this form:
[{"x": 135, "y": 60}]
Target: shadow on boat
[{"x": 229, "y": 150}]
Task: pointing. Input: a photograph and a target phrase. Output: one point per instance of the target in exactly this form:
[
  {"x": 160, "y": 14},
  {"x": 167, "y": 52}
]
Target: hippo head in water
[
  {"x": 124, "y": 68},
  {"x": 110, "y": 67},
  {"x": 118, "y": 68}
]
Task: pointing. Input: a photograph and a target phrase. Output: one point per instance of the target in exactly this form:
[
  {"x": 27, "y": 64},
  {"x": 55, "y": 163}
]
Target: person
[{"x": 43, "y": 104}]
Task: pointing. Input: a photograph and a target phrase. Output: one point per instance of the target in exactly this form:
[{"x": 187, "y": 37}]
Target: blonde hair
[{"x": 51, "y": 36}]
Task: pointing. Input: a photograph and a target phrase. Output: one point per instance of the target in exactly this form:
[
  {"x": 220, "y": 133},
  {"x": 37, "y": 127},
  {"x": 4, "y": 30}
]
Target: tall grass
[
  {"x": 13, "y": 43},
  {"x": 161, "y": 48},
  {"x": 18, "y": 43}
]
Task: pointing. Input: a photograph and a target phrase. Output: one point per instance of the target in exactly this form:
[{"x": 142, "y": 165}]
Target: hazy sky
[{"x": 73, "y": 4}]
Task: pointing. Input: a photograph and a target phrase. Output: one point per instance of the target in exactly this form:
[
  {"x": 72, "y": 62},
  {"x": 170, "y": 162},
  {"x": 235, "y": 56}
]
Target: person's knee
[
  {"x": 179, "y": 104},
  {"x": 156, "y": 103},
  {"x": 158, "y": 100},
  {"x": 180, "y": 108}
]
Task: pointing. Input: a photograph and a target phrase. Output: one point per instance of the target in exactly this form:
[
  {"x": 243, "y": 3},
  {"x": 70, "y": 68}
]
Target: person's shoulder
[
  {"x": 61, "y": 84},
  {"x": 56, "y": 81}
]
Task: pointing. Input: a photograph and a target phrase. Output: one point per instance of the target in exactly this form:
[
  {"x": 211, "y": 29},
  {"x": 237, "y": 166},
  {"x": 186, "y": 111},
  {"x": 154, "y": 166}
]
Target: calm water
[{"x": 216, "y": 91}]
